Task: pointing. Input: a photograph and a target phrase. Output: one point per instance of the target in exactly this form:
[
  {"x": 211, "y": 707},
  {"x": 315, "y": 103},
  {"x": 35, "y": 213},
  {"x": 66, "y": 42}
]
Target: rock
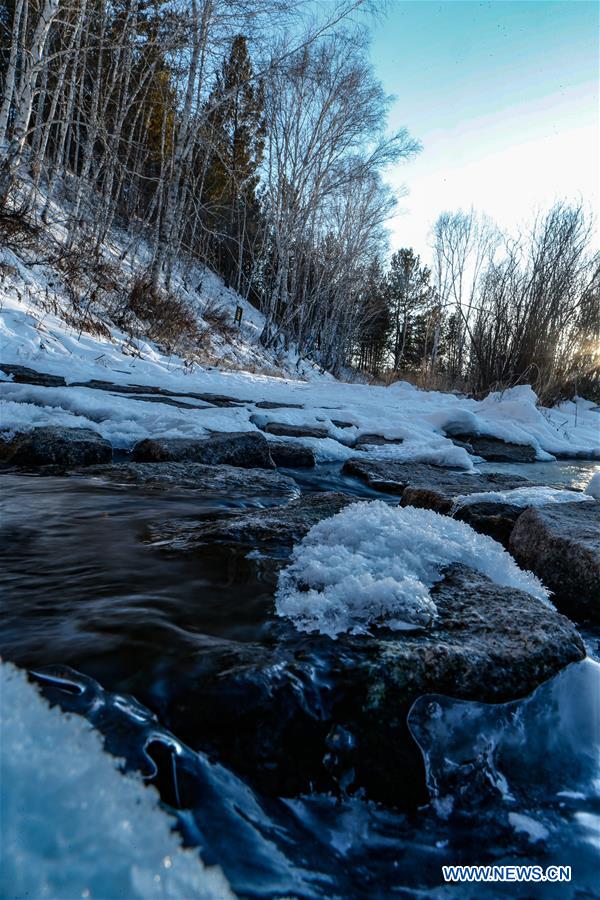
[
  {"x": 420, "y": 484},
  {"x": 247, "y": 449},
  {"x": 494, "y": 519},
  {"x": 304, "y": 712},
  {"x": 269, "y": 404},
  {"x": 25, "y": 375},
  {"x": 292, "y": 455},
  {"x": 282, "y": 429},
  {"x": 493, "y": 449},
  {"x": 561, "y": 544},
  {"x": 228, "y": 482},
  {"x": 281, "y": 525},
  {"x": 54, "y": 445}
]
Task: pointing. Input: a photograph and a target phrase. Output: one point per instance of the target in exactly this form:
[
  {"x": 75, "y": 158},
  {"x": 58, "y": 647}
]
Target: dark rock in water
[
  {"x": 310, "y": 713},
  {"x": 282, "y": 429},
  {"x": 494, "y": 519},
  {"x": 493, "y": 449},
  {"x": 561, "y": 544},
  {"x": 54, "y": 445},
  {"x": 229, "y": 482},
  {"x": 247, "y": 449},
  {"x": 292, "y": 455},
  {"x": 282, "y": 525},
  {"x": 431, "y": 487},
  {"x": 25, "y": 375}
]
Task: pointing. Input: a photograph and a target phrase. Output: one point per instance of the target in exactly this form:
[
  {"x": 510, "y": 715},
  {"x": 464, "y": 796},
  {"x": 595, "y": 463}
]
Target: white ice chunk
[
  {"x": 593, "y": 488},
  {"x": 522, "y": 496},
  {"x": 373, "y": 564}
]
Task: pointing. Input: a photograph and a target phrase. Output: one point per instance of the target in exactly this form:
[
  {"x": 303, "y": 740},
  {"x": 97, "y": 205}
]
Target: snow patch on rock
[{"x": 373, "y": 565}]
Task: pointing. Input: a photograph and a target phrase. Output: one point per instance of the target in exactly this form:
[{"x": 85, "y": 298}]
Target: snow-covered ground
[
  {"x": 62, "y": 794},
  {"x": 34, "y": 333}
]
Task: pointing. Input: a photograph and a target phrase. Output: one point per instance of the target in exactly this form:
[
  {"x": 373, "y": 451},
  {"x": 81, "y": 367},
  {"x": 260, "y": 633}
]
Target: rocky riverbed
[{"x": 154, "y": 573}]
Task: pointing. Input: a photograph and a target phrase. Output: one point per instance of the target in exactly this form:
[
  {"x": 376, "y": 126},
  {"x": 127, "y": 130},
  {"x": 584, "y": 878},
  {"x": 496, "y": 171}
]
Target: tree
[
  {"x": 409, "y": 290},
  {"x": 236, "y": 134}
]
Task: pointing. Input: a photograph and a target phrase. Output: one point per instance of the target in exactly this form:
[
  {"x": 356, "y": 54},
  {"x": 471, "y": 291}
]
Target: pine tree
[
  {"x": 409, "y": 290},
  {"x": 236, "y": 132}
]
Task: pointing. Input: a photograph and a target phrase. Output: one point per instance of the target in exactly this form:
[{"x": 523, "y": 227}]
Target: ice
[
  {"x": 373, "y": 564},
  {"x": 593, "y": 488},
  {"x": 522, "y": 496},
  {"x": 73, "y": 825}
]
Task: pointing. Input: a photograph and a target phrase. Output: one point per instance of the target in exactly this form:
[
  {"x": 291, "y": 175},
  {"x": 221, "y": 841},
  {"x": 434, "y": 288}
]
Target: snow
[
  {"x": 73, "y": 825},
  {"x": 373, "y": 565},
  {"x": 593, "y": 488},
  {"x": 34, "y": 333},
  {"x": 522, "y": 496},
  {"x": 534, "y": 830}
]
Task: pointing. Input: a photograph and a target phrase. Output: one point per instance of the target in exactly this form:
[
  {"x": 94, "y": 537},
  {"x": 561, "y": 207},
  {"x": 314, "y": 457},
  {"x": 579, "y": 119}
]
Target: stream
[{"x": 111, "y": 625}]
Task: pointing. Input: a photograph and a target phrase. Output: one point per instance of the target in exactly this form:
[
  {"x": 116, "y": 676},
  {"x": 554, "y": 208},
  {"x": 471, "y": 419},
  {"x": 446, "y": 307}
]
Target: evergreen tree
[
  {"x": 409, "y": 290},
  {"x": 236, "y": 133}
]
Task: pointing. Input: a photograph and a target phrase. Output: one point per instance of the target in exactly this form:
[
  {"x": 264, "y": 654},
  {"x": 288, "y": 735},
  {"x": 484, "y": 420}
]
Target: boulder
[
  {"x": 561, "y": 544},
  {"x": 247, "y": 449},
  {"x": 375, "y": 440},
  {"x": 305, "y": 712},
  {"x": 292, "y": 455},
  {"x": 225, "y": 482},
  {"x": 282, "y": 429},
  {"x": 54, "y": 445},
  {"x": 276, "y": 527},
  {"x": 421, "y": 484},
  {"x": 494, "y": 519},
  {"x": 493, "y": 449}
]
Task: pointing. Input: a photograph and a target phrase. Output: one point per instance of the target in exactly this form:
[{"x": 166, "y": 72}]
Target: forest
[{"x": 251, "y": 135}]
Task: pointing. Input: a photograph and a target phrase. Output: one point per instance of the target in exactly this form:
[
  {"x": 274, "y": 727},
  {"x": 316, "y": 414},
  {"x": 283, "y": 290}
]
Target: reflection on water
[{"x": 571, "y": 473}]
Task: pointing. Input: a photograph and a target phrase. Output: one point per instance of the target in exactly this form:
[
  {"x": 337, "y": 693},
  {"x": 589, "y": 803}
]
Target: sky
[{"x": 503, "y": 96}]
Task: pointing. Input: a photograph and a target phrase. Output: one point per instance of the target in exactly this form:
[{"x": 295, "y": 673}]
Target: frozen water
[
  {"x": 73, "y": 825},
  {"x": 522, "y": 496},
  {"x": 373, "y": 564},
  {"x": 593, "y": 488}
]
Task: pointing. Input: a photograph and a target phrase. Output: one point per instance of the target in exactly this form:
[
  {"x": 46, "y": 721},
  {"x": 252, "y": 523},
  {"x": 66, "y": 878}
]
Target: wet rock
[
  {"x": 292, "y": 455},
  {"x": 494, "y": 519},
  {"x": 245, "y": 449},
  {"x": 431, "y": 487},
  {"x": 493, "y": 449},
  {"x": 54, "y": 445},
  {"x": 306, "y": 712},
  {"x": 561, "y": 544},
  {"x": 227, "y": 482},
  {"x": 282, "y": 525}
]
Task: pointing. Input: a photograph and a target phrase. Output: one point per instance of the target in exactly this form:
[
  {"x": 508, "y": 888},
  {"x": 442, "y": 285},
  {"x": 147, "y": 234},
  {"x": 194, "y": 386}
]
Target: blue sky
[{"x": 504, "y": 98}]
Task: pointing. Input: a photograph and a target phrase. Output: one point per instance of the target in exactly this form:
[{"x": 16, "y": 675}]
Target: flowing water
[{"x": 84, "y": 587}]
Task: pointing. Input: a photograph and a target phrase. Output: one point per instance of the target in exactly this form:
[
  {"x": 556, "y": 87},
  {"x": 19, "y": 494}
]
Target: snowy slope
[{"x": 33, "y": 333}]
